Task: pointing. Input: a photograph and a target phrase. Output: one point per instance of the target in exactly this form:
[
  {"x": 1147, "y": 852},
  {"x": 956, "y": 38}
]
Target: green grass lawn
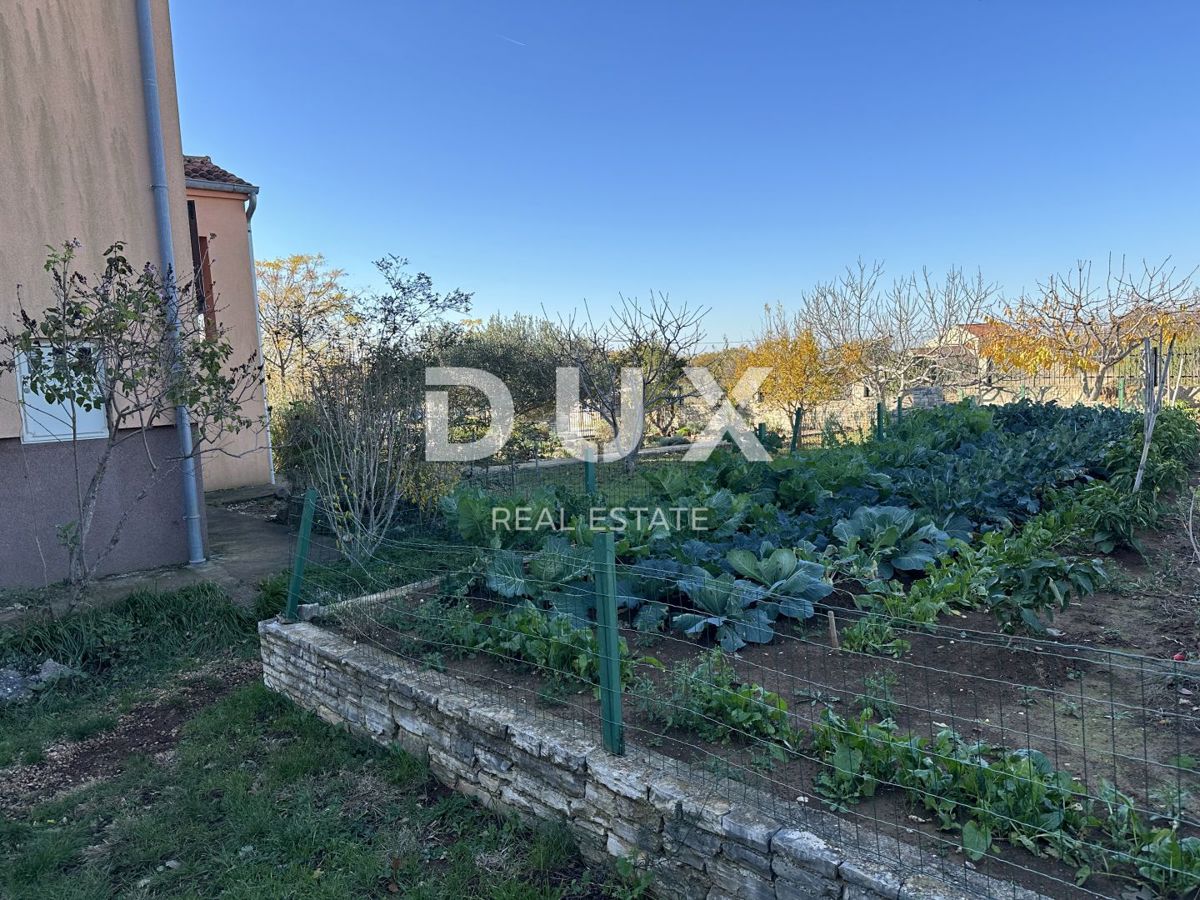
[{"x": 254, "y": 798}]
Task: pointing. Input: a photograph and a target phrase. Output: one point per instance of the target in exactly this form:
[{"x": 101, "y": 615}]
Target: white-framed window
[{"x": 43, "y": 421}]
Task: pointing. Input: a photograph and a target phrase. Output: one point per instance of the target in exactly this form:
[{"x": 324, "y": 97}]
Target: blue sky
[{"x": 731, "y": 154}]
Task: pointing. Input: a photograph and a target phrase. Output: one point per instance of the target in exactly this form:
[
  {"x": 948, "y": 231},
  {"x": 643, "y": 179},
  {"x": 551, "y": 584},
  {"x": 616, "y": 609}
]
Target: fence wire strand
[{"x": 1102, "y": 717}]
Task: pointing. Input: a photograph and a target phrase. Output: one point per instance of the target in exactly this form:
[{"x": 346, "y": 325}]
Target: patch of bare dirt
[{"x": 150, "y": 729}]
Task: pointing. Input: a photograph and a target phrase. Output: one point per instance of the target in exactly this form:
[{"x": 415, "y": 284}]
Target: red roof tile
[
  {"x": 982, "y": 330},
  {"x": 202, "y": 168}
]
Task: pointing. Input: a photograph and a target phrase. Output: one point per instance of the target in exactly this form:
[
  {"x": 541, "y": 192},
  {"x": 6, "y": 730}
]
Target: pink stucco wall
[
  {"x": 75, "y": 164},
  {"x": 238, "y": 459},
  {"x": 74, "y": 161}
]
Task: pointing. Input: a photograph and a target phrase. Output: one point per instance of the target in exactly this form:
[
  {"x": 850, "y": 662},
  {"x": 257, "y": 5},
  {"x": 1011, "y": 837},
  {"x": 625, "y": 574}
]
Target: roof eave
[{"x": 201, "y": 184}]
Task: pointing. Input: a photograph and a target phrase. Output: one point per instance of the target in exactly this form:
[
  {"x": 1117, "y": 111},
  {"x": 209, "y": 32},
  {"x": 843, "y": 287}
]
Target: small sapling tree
[
  {"x": 106, "y": 344},
  {"x": 364, "y": 444}
]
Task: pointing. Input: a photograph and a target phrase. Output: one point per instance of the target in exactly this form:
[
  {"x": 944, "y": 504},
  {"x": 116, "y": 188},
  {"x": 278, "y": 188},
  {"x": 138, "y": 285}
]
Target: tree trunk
[
  {"x": 79, "y": 573},
  {"x": 1153, "y": 403},
  {"x": 632, "y": 459},
  {"x": 1098, "y": 383}
]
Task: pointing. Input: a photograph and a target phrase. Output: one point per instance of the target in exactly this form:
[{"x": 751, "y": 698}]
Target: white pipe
[{"x": 166, "y": 249}]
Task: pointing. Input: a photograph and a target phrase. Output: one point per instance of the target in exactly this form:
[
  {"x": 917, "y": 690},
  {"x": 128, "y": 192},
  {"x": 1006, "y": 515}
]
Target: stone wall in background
[{"x": 700, "y": 836}]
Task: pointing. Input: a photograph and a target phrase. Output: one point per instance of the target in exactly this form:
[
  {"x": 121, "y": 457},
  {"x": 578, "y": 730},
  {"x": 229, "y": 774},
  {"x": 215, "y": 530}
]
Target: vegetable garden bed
[{"x": 870, "y": 628}]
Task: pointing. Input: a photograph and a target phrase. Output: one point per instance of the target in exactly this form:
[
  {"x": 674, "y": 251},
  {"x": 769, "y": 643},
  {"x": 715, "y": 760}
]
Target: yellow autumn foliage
[{"x": 803, "y": 373}]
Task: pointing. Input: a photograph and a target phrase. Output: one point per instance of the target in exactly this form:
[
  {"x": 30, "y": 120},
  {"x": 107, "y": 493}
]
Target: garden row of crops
[{"x": 955, "y": 510}]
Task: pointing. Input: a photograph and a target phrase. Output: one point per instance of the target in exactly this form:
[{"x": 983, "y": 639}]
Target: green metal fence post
[
  {"x": 1121, "y": 393},
  {"x": 797, "y": 430},
  {"x": 879, "y": 419},
  {"x": 899, "y": 408},
  {"x": 762, "y": 432},
  {"x": 302, "y": 541},
  {"x": 608, "y": 642}
]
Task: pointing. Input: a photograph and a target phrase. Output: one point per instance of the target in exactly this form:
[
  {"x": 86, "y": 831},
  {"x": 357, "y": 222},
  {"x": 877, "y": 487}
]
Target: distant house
[
  {"x": 220, "y": 206},
  {"x": 78, "y": 151},
  {"x": 971, "y": 337}
]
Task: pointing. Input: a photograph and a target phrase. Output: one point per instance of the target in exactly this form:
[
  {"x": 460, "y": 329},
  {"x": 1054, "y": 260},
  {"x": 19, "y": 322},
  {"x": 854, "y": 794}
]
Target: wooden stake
[{"x": 833, "y": 638}]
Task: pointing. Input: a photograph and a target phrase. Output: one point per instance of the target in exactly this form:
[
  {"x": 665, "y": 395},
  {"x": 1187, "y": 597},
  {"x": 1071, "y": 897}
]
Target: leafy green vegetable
[
  {"x": 577, "y": 603},
  {"x": 977, "y": 839},
  {"x": 559, "y": 562},
  {"x": 1026, "y": 581},
  {"x": 793, "y": 584},
  {"x": 990, "y": 793},
  {"x": 506, "y": 575},
  {"x": 985, "y": 791},
  {"x": 887, "y": 539},
  {"x": 651, "y": 617},
  {"x": 485, "y": 519},
  {"x": 550, "y": 644},
  {"x": 874, "y": 635},
  {"x": 726, "y": 605},
  {"x": 709, "y": 699}
]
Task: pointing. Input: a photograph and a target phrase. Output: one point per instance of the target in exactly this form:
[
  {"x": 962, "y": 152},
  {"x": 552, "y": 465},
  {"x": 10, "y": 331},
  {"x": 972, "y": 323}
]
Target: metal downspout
[
  {"x": 166, "y": 249},
  {"x": 251, "y": 206}
]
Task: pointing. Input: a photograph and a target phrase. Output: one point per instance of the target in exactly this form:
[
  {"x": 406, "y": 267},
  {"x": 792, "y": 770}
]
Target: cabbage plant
[
  {"x": 887, "y": 539},
  {"x": 793, "y": 584},
  {"x": 725, "y": 605}
]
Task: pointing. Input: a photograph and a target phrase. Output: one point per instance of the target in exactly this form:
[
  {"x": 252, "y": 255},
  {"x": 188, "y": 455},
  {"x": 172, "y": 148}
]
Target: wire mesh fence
[
  {"x": 542, "y": 464},
  {"x": 1062, "y": 767},
  {"x": 1053, "y": 749},
  {"x": 1030, "y": 741}
]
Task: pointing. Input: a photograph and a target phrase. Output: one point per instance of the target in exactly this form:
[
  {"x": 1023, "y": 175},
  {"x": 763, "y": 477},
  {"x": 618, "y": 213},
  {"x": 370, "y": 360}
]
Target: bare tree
[
  {"x": 363, "y": 445},
  {"x": 657, "y": 339},
  {"x": 106, "y": 347},
  {"x": 1088, "y": 327},
  {"x": 897, "y": 336}
]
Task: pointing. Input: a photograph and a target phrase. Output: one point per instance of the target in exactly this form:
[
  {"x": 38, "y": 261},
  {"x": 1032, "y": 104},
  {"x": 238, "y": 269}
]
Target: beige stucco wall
[
  {"x": 74, "y": 160},
  {"x": 237, "y": 459}
]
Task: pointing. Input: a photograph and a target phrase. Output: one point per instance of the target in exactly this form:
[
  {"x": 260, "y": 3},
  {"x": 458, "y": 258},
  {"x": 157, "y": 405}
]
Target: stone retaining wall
[{"x": 700, "y": 837}]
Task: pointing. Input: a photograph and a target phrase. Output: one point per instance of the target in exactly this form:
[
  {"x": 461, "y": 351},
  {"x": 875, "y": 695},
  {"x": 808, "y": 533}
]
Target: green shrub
[
  {"x": 271, "y": 598},
  {"x": 292, "y": 425},
  {"x": 874, "y": 635},
  {"x": 146, "y": 626},
  {"x": 708, "y": 699},
  {"x": 988, "y": 794}
]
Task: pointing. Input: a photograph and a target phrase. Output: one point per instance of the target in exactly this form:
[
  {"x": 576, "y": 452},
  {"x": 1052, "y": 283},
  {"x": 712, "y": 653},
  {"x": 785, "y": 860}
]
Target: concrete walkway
[{"x": 244, "y": 548}]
